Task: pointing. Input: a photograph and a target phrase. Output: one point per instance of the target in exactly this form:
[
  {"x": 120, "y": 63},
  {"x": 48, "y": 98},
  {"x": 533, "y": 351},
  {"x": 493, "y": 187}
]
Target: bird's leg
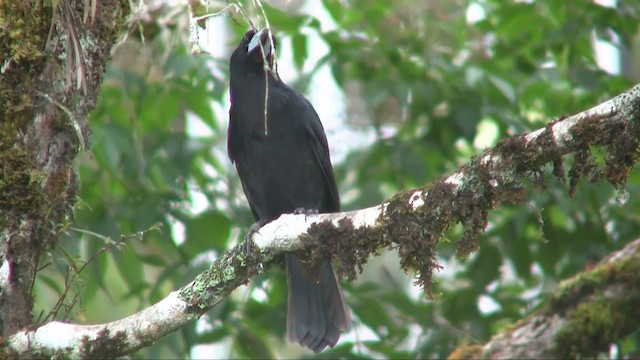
[{"x": 247, "y": 243}]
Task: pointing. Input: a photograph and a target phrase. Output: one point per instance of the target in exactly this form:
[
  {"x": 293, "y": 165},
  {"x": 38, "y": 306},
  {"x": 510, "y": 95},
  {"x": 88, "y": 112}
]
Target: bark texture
[
  {"x": 53, "y": 55},
  {"x": 585, "y": 315},
  {"x": 582, "y": 319}
]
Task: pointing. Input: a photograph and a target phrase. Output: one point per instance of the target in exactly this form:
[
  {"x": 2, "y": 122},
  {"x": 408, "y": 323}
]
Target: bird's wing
[
  {"x": 320, "y": 148},
  {"x": 230, "y": 135},
  {"x": 232, "y": 138}
]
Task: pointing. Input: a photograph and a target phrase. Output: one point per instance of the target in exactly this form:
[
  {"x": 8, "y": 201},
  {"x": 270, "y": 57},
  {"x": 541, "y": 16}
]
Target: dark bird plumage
[{"x": 284, "y": 168}]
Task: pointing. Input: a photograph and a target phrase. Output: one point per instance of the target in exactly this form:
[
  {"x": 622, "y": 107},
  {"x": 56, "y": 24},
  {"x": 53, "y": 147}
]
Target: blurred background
[{"x": 407, "y": 91}]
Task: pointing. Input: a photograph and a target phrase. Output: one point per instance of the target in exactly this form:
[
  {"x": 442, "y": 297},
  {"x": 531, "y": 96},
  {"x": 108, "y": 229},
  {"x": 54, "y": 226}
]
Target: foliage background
[{"x": 433, "y": 88}]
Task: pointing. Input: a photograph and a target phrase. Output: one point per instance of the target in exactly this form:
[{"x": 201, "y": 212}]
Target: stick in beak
[{"x": 257, "y": 39}]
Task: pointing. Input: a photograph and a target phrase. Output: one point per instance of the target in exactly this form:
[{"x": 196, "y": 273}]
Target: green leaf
[
  {"x": 249, "y": 345},
  {"x": 299, "y": 43},
  {"x": 51, "y": 283},
  {"x": 209, "y": 230},
  {"x": 130, "y": 268},
  {"x": 200, "y": 103},
  {"x": 505, "y": 88},
  {"x": 153, "y": 259}
]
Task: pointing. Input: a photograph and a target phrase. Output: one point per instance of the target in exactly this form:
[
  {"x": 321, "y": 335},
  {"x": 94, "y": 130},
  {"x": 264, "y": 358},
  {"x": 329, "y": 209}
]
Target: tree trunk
[{"x": 53, "y": 59}]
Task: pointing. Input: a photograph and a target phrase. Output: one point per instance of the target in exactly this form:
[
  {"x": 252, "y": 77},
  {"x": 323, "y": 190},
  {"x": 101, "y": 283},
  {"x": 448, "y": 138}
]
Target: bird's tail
[{"x": 317, "y": 312}]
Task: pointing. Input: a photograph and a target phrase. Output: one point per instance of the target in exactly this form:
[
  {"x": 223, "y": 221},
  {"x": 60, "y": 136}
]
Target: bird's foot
[
  {"x": 307, "y": 212},
  {"x": 247, "y": 243}
]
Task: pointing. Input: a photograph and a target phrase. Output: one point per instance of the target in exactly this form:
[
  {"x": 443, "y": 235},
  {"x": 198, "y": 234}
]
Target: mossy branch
[
  {"x": 585, "y": 315},
  {"x": 412, "y": 220}
]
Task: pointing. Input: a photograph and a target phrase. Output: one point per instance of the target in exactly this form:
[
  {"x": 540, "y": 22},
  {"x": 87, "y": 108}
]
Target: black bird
[{"x": 284, "y": 168}]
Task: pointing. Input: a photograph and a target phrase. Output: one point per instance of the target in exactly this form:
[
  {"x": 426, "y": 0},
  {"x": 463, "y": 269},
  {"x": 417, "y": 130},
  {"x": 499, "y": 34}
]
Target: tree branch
[
  {"x": 413, "y": 221},
  {"x": 585, "y": 315}
]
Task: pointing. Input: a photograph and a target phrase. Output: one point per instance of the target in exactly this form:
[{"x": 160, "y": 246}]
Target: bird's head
[
  {"x": 261, "y": 42},
  {"x": 255, "y": 48}
]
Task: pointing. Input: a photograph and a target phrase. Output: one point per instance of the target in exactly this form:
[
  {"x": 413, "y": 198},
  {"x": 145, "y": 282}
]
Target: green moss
[
  {"x": 22, "y": 24},
  {"x": 588, "y": 283},
  {"x": 20, "y": 186},
  {"x": 228, "y": 273},
  {"x": 242, "y": 259},
  {"x": 600, "y": 307},
  {"x": 198, "y": 8},
  {"x": 592, "y": 326}
]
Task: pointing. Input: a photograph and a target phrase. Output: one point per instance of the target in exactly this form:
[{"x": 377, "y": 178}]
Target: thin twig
[
  {"x": 266, "y": 65},
  {"x": 76, "y": 271},
  {"x": 72, "y": 119},
  {"x": 219, "y": 13}
]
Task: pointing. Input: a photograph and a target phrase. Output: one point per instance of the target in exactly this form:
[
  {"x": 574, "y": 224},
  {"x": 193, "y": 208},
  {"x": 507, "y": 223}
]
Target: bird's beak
[{"x": 259, "y": 37}]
